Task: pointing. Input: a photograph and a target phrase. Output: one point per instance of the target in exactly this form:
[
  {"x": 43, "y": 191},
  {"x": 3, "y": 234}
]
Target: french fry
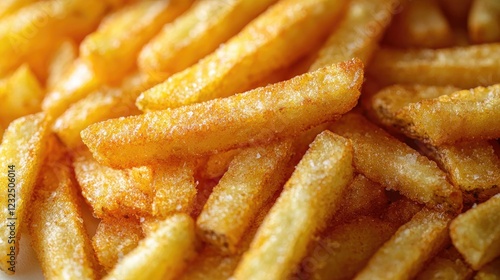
[
  {"x": 345, "y": 249},
  {"x": 401, "y": 211},
  {"x": 254, "y": 175},
  {"x": 403, "y": 167},
  {"x": 163, "y": 254},
  {"x": 421, "y": 24},
  {"x": 484, "y": 21},
  {"x": 8, "y": 7},
  {"x": 476, "y": 233},
  {"x": 21, "y": 94},
  {"x": 217, "y": 164},
  {"x": 258, "y": 116},
  {"x": 358, "y": 32},
  {"x": 122, "y": 34},
  {"x": 197, "y": 33},
  {"x": 114, "y": 238},
  {"x": 261, "y": 47},
  {"x": 411, "y": 246},
  {"x": 59, "y": 237},
  {"x": 447, "y": 265},
  {"x": 22, "y": 153},
  {"x": 60, "y": 62},
  {"x": 490, "y": 271},
  {"x": 464, "y": 67},
  {"x": 309, "y": 198}
]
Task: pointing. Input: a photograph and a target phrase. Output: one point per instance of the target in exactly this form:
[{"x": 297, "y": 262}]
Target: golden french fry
[
  {"x": 163, "y": 254},
  {"x": 21, "y": 95},
  {"x": 403, "y": 167},
  {"x": 484, "y": 21},
  {"x": 254, "y": 175},
  {"x": 257, "y": 116},
  {"x": 197, "y": 32},
  {"x": 358, "y": 32},
  {"x": 217, "y": 164},
  {"x": 60, "y": 62},
  {"x": 122, "y": 34},
  {"x": 476, "y": 233},
  {"x": 411, "y": 246},
  {"x": 420, "y": 24},
  {"x": 490, "y": 271},
  {"x": 22, "y": 153},
  {"x": 308, "y": 200},
  {"x": 447, "y": 265},
  {"x": 464, "y": 67},
  {"x": 8, "y": 7},
  {"x": 59, "y": 237},
  {"x": 114, "y": 238},
  {"x": 261, "y": 47}
]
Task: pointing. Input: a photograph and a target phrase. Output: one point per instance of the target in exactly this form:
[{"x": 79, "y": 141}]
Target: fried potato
[
  {"x": 261, "y": 47},
  {"x": 484, "y": 21},
  {"x": 403, "y": 167},
  {"x": 218, "y": 164},
  {"x": 401, "y": 211},
  {"x": 59, "y": 237},
  {"x": 122, "y": 34},
  {"x": 197, "y": 33},
  {"x": 22, "y": 152},
  {"x": 411, "y": 246},
  {"x": 61, "y": 62},
  {"x": 447, "y": 265},
  {"x": 20, "y": 95},
  {"x": 476, "y": 233},
  {"x": 114, "y": 192},
  {"x": 490, "y": 271},
  {"x": 163, "y": 254},
  {"x": 8, "y": 7},
  {"x": 463, "y": 115},
  {"x": 345, "y": 249},
  {"x": 309, "y": 198},
  {"x": 115, "y": 238},
  {"x": 358, "y": 32},
  {"x": 464, "y": 67},
  {"x": 254, "y": 175},
  {"x": 257, "y": 116},
  {"x": 421, "y": 24}
]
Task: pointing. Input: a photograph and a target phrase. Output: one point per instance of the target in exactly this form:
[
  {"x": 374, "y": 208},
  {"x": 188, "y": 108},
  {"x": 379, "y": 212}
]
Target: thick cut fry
[
  {"x": 463, "y": 115},
  {"x": 20, "y": 95},
  {"x": 253, "y": 177},
  {"x": 197, "y": 33},
  {"x": 40, "y": 25},
  {"x": 163, "y": 254},
  {"x": 476, "y": 233},
  {"x": 8, "y": 7},
  {"x": 447, "y": 265},
  {"x": 114, "y": 192},
  {"x": 464, "y": 67},
  {"x": 261, "y": 47},
  {"x": 404, "y": 169},
  {"x": 411, "y": 246},
  {"x": 358, "y": 32},
  {"x": 58, "y": 234},
  {"x": 345, "y": 249},
  {"x": 115, "y": 238},
  {"x": 61, "y": 62},
  {"x": 421, "y": 24},
  {"x": 22, "y": 153},
  {"x": 122, "y": 34},
  {"x": 490, "y": 271},
  {"x": 308, "y": 200},
  {"x": 484, "y": 21},
  {"x": 257, "y": 117}
]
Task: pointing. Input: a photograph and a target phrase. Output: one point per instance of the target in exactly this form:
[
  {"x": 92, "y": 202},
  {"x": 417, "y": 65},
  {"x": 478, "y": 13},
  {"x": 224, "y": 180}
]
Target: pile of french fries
[{"x": 251, "y": 139}]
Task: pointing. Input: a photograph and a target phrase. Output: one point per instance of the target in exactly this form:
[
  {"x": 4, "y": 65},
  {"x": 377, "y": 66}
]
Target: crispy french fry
[
  {"x": 420, "y": 24},
  {"x": 403, "y": 167},
  {"x": 464, "y": 67},
  {"x": 122, "y": 34},
  {"x": 197, "y": 33},
  {"x": 114, "y": 238},
  {"x": 254, "y": 175},
  {"x": 490, "y": 271},
  {"x": 261, "y": 47},
  {"x": 476, "y": 233},
  {"x": 217, "y": 164},
  {"x": 358, "y": 32},
  {"x": 8, "y": 7},
  {"x": 163, "y": 254},
  {"x": 60, "y": 62},
  {"x": 257, "y": 116},
  {"x": 447, "y": 265},
  {"x": 411, "y": 246},
  {"x": 59, "y": 237},
  {"x": 345, "y": 249},
  {"x": 309, "y": 198},
  {"x": 22, "y": 153},
  {"x": 484, "y": 21},
  {"x": 20, "y": 95}
]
